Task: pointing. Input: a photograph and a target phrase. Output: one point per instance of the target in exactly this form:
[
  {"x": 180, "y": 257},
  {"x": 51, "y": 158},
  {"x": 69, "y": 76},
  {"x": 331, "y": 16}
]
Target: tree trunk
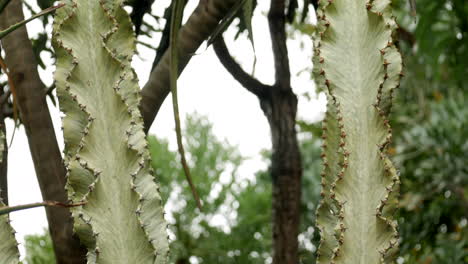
[
  {"x": 279, "y": 105},
  {"x": 3, "y": 163},
  {"x": 35, "y": 115},
  {"x": 280, "y": 108}
]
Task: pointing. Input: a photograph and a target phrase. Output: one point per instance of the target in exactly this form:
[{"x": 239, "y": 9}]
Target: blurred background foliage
[{"x": 430, "y": 147}]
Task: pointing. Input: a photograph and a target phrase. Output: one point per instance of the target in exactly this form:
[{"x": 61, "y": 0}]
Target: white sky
[{"x": 204, "y": 87}]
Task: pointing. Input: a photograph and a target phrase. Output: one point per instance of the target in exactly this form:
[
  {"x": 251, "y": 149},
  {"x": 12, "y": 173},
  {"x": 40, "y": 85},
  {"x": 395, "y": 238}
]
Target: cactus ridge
[
  {"x": 330, "y": 208},
  {"x": 9, "y": 253},
  {"x": 105, "y": 147},
  {"x": 357, "y": 64}
]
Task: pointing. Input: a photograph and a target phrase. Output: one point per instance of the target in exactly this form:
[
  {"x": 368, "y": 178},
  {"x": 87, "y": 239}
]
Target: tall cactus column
[
  {"x": 358, "y": 65},
  {"x": 105, "y": 147}
]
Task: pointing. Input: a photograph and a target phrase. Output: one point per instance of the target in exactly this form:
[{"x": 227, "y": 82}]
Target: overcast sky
[{"x": 204, "y": 87}]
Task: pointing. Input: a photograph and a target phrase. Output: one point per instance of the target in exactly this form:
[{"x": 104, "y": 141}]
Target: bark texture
[
  {"x": 286, "y": 171},
  {"x": 45, "y": 153},
  {"x": 200, "y": 25}
]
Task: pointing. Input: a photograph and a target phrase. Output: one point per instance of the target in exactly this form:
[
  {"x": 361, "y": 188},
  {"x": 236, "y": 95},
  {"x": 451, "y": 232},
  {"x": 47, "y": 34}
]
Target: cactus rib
[
  {"x": 105, "y": 147},
  {"x": 358, "y": 65}
]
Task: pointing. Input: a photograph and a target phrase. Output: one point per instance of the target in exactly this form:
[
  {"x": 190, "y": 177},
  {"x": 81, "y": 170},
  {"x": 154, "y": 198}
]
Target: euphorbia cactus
[
  {"x": 358, "y": 65},
  {"x": 105, "y": 147}
]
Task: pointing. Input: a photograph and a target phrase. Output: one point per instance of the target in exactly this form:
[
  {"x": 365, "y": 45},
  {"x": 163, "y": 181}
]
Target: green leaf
[
  {"x": 24, "y": 22},
  {"x": 248, "y": 13},
  {"x": 106, "y": 151},
  {"x": 358, "y": 65},
  {"x": 9, "y": 253}
]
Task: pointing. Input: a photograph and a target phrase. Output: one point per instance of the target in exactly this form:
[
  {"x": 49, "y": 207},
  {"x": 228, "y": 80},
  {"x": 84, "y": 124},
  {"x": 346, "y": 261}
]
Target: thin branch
[
  {"x": 276, "y": 22},
  {"x": 9, "y": 209},
  {"x": 246, "y": 80},
  {"x": 24, "y": 22}
]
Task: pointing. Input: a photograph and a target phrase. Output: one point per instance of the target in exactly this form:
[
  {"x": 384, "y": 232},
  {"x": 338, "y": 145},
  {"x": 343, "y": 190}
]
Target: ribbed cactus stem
[
  {"x": 358, "y": 65},
  {"x": 105, "y": 147}
]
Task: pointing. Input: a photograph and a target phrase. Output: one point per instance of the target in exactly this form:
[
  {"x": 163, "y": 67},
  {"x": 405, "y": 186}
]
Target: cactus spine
[
  {"x": 358, "y": 65},
  {"x": 105, "y": 147}
]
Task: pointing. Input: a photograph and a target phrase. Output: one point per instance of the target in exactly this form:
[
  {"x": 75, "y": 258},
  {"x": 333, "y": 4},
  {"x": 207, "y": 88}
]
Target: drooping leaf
[
  {"x": 105, "y": 147},
  {"x": 177, "y": 13},
  {"x": 248, "y": 13},
  {"x": 358, "y": 65}
]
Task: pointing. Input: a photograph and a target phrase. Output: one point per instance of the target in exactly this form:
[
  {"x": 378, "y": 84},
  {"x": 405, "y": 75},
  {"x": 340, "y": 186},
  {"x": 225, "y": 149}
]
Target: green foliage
[
  {"x": 440, "y": 33},
  {"x": 105, "y": 146},
  {"x": 432, "y": 156},
  {"x": 430, "y": 128},
  {"x": 214, "y": 165},
  {"x": 242, "y": 206},
  {"x": 39, "y": 249}
]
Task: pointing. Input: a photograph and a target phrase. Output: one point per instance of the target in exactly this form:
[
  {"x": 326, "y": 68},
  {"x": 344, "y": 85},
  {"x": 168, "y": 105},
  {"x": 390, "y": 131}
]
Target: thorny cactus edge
[
  {"x": 9, "y": 253},
  {"x": 357, "y": 64},
  {"x": 106, "y": 154}
]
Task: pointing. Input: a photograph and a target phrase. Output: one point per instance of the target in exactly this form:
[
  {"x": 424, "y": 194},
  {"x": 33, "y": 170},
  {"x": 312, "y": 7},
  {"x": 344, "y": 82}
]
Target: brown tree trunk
[
  {"x": 279, "y": 104},
  {"x": 35, "y": 115},
  {"x": 286, "y": 171}
]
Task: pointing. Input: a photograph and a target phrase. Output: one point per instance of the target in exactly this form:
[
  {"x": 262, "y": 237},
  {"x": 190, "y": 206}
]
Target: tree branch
[
  {"x": 201, "y": 23},
  {"x": 3, "y": 163},
  {"x": 246, "y": 80},
  {"x": 139, "y": 9},
  {"x": 43, "y": 145},
  {"x": 276, "y": 22}
]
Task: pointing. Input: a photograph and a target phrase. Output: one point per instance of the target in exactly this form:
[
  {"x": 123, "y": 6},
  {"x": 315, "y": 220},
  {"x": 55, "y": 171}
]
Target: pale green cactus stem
[
  {"x": 358, "y": 65},
  {"x": 9, "y": 253},
  {"x": 105, "y": 147}
]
